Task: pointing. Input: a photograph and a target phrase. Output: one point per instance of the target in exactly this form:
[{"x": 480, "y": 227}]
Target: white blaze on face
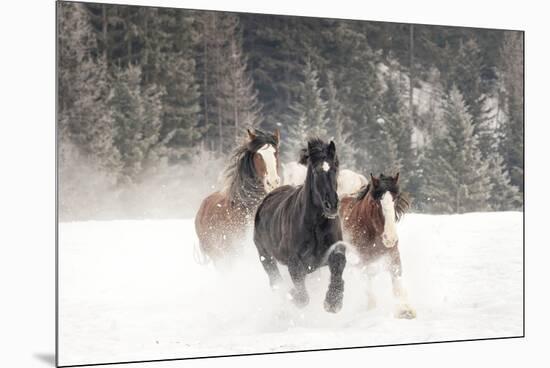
[
  {"x": 271, "y": 179},
  {"x": 389, "y": 237},
  {"x": 326, "y": 166}
]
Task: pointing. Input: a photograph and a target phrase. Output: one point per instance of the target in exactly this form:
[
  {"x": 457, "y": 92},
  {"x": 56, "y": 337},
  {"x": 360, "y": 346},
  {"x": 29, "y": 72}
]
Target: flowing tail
[{"x": 199, "y": 256}]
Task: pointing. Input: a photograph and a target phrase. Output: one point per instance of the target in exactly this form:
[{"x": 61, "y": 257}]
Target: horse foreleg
[
  {"x": 403, "y": 309},
  {"x": 270, "y": 266},
  {"x": 272, "y": 270},
  {"x": 298, "y": 272},
  {"x": 370, "y": 287},
  {"x": 335, "y": 294}
]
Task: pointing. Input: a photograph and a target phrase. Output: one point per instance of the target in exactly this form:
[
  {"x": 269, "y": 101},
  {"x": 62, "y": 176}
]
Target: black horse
[{"x": 300, "y": 227}]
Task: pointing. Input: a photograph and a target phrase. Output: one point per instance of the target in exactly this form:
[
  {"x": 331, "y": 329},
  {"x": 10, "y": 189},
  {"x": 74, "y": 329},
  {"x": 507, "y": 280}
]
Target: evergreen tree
[
  {"x": 92, "y": 126},
  {"x": 76, "y": 41},
  {"x": 511, "y": 146},
  {"x": 354, "y": 65},
  {"x": 151, "y": 125},
  {"x": 383, "y": 153},
  {"x": 465, "y": 71},
  {"x": 338, "y": 126},
  {"x": 275, "y": 47},
  {"x": 504, "y": 196},
  {"x": 393, "y": 152},
  {"x": 456, "y": 178},
  {"x": 141, "y": 87},
  {"x": 166, "y": 35},
  {"x": 228, "y": 96},
  {"x": 85, "y": 118},
  {"x": 137, "y": 118},
  {"x": 109, "y": 26},
  {"x": 429, "y": 121},
  {"x": 307, "y": 116},
  {"x": 240, "y": 106},
  {"x": 118, "y": 31},
  {"x": 180, "y": 131}
]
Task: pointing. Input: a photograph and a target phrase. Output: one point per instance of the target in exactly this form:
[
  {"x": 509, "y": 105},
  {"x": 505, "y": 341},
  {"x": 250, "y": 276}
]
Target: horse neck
[
  {"x": 247, "y": 190},
  {"x": 370, "y": 212},
  {"x": 306, "y": 196}
]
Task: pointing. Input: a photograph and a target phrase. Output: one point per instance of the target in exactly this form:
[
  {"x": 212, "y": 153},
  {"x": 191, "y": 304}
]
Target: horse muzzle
[
  {"x": 330, "y": 211},
  {"x": 272, "y": 184},
  {"x": 389, "y": 242},
  {"x": 330, "y": 216}
]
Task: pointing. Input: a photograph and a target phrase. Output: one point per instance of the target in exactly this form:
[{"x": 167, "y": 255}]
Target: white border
[{"x": 27, "y": 182}]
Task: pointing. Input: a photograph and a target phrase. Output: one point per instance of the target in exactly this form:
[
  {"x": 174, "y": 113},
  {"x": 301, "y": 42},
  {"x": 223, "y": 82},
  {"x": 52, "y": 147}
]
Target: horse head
[
  {"x": 322, "y": 163},
  {"x": 265, "y": 149},
  {"x": 385, "y": 192}
]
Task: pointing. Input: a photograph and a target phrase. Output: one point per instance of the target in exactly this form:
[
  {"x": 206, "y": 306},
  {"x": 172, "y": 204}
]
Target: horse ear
[
  {"x": 374, "y": 180},
  {"x": 277, "y": 135},
  {"x": 251, "y": 134},
  {"x": 331, "y": 149},
  {"x": 303, "y": 157},
  {"x": 396, "y": 178}
]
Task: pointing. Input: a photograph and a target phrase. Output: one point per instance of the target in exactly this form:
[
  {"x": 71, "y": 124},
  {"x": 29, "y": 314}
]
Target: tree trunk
[
  {"x": 235, "y": 98},
  {"x": 220, "y": 131},
  {"x": 236, "y": 117},
  {"x": 457, "y": 199},
  {"x": 205, "y": 77},
  {"x": 411, "y": 78},
  {"x": 218, "y": 76},
  {"x": 129, "y": 36},
  {"x": 104, "y": 31},
  {"x": 147, "y": 69}
]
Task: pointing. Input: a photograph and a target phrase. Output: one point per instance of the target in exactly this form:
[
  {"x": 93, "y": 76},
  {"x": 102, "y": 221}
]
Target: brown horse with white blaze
[
  {"x": 369, "y": 222},
  {"x": 223, "y": 216}
]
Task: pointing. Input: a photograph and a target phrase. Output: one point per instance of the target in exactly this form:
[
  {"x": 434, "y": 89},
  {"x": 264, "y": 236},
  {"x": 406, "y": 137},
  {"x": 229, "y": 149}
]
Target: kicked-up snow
[{"x": 131, "y": 290}]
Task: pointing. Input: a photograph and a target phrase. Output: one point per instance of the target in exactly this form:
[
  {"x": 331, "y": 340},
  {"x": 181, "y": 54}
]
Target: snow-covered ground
[{"x": 131, "y": 290}]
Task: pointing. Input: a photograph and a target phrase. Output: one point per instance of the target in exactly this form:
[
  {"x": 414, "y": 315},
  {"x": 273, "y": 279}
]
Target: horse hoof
[
  {"x": 333, "y": 307},
  {"x": 299, "y": 299},
  {"x": 405, "y": 312}
]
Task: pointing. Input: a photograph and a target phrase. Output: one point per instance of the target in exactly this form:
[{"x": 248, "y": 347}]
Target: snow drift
[{"x": 131, "y": 290}]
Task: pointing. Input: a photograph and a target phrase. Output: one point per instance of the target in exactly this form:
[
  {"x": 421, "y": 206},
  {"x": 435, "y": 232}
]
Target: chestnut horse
[
  {"x": 224, "y": 215},
  {"x": 369, "y": 223}
]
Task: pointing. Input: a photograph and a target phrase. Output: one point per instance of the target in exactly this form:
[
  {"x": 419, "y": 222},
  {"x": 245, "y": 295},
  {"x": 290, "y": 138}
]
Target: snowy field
[{"x": 131, "y": 290}]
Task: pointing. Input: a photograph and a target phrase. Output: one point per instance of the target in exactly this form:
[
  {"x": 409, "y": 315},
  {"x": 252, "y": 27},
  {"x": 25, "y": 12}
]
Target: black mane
[
  {"x": 315, "y": 153},
  {"x": 241, "y": 182},
  {"x": 360, "y": 195}
]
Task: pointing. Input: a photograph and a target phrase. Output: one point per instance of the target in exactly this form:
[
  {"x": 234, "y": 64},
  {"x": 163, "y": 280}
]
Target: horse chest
[
  {"x": 361, "y": 232},
  {"x": 311, "y": 244},
  {"x": 239, "y": 215},
  {"x": 362, "y": 236}
]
